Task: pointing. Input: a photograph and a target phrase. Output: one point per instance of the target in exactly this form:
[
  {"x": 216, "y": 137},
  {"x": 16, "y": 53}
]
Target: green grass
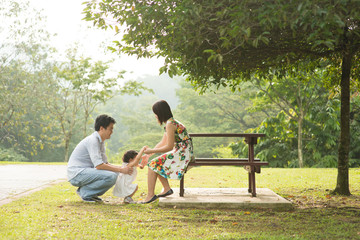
[{"x": 58, "y": 213}]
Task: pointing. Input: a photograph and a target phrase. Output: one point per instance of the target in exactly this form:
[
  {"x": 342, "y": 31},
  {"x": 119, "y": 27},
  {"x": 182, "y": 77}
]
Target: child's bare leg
[
  {"x": 134, "y": 192},
  {"x": 152, "y": 176},
  {"x": 165, "y": 183}
]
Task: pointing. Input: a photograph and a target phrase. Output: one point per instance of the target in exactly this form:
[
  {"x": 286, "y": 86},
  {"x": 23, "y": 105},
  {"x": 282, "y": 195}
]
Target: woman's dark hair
[
  {"x": 162, "y": 109},
  {"x": 129, "y": 155},
  {"x": 103, "y": 121}
]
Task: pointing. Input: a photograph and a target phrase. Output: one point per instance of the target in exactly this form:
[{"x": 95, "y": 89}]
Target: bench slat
[
  {"x": 227, "y": 163},
  {"x": 227, "y": 135},
  {"x": 225, "y": 159}
]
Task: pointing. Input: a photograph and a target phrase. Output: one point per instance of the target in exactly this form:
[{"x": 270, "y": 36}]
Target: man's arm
[{"x": 113, "y": 168}]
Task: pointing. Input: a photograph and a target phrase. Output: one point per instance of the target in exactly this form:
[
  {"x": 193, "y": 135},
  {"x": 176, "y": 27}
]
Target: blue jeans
[{"x": 93, "y": 182}]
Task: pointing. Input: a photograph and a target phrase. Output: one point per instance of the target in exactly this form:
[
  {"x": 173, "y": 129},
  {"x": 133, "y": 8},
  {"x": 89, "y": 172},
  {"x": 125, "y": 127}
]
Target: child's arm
[
  {"x": 137, "y": 158},
  {"x": 144, "y": 160}
]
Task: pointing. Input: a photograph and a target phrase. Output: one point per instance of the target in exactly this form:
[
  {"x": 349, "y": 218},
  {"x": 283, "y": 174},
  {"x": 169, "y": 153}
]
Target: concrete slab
[
  {"x": 17, "y": 180},
  {"x": 230, "y": 198}
]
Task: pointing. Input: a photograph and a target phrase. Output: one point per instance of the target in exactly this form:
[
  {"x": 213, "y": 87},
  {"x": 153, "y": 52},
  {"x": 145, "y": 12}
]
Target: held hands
[
  {"x": 148, "y": 150},
  {"x": 143, "y": 149}
]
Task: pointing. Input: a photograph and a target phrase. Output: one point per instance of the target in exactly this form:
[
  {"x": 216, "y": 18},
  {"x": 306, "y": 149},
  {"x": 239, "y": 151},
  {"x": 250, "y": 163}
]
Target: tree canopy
[{"x": 223, "y": 40}]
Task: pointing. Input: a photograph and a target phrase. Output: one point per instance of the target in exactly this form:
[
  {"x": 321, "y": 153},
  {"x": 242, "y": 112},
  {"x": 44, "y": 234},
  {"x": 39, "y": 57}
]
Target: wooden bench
[{"x": 251, "y": 164}]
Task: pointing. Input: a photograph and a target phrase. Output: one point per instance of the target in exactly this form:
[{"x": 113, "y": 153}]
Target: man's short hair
[{"x": 103, "y": 121}]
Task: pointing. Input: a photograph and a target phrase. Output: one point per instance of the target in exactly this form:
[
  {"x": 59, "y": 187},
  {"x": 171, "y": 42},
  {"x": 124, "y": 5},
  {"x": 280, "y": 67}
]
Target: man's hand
[{"x": 127, "y": 170}]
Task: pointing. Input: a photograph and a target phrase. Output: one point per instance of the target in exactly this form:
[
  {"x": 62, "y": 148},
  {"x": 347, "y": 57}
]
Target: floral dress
[{"x": 174, "y": 163}]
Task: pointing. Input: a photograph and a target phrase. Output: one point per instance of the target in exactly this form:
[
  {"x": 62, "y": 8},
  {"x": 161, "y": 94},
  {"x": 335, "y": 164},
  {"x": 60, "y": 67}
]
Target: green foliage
[
  {"x": 279, "y": 147},
  {"x": 44, "y": 101},
  {"x": 222, "y": 111},
  {"x": 23, "y": 53},
  {"x": 223, "y": 152},
  {"x": 321, "y": 129},
  {"x": 296, "y": 93},
  {"x": 355, "y": 131},
  {"x": 10, "y": 155},
  {"x": 219, "y": 41}
]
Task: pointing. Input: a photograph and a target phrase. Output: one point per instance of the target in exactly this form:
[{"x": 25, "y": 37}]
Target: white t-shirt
[{"x": 124, "y": 185}]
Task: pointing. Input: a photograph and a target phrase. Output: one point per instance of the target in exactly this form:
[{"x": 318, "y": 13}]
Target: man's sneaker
[
  {"x": 97, "y": 199},
  {"x": 90, "y": 199},
  {"x": 129, "y": 200}
]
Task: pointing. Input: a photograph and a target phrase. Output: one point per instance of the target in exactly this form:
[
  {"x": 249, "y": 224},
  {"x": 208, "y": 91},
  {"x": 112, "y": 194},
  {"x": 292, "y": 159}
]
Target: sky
[{"x": 64, "y": 20}]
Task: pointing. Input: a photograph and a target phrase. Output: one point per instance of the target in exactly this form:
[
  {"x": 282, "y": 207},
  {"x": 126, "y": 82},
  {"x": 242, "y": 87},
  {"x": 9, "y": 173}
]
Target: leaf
[{"x": 213, "y": 221}]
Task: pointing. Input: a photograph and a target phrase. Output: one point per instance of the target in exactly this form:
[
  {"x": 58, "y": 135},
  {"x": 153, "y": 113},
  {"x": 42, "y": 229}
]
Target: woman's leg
[
  {"x": 152, "y": 176},
  {"x": 165, "y": 183}
]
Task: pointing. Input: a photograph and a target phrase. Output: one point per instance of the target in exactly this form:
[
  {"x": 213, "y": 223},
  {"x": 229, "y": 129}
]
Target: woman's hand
[{"x": 148, "y": 151}]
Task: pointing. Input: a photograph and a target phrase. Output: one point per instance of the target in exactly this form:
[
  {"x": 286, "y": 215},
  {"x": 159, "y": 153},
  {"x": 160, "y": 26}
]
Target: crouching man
[{"x": 88, "y": 168}]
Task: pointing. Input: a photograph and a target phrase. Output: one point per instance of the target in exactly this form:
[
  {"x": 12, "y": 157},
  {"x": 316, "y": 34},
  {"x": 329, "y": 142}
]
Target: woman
[{"x": 177, "y": 148}]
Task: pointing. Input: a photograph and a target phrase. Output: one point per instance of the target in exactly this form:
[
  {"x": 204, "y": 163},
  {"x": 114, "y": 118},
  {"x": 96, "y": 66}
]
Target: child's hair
[{"x": 129, "y": 155}]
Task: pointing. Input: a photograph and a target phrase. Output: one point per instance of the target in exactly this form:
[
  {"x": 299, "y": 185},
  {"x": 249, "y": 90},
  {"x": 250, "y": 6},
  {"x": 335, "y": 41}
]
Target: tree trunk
[
  {"x": 300, "y": 152},
  {"x": 66, "y": 149},
  {"x": 342, "y": 185},
  {"x": 300, "y": 123},
  {"x": 85, "y": 123}
]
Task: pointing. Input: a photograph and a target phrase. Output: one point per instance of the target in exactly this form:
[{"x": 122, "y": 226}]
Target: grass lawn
[{"x": 58, "y": 213}]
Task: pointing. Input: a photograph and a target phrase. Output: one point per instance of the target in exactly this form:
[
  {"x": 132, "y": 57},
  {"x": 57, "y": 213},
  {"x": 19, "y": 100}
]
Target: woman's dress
[{"x": 173, "y": 164}]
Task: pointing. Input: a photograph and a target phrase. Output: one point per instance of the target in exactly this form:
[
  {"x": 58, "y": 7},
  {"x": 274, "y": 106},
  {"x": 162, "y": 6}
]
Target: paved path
[{"x": 17, "y": 180}]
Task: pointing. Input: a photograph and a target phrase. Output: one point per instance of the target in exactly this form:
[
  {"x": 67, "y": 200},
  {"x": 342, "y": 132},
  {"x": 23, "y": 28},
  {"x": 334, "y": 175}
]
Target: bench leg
[
  {"x": 182, "y": 186},
  {"x": 253, "y": 187}
]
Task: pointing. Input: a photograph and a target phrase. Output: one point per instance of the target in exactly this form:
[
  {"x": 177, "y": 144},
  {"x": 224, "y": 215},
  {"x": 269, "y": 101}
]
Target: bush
[{"x": 10, "y": 155}]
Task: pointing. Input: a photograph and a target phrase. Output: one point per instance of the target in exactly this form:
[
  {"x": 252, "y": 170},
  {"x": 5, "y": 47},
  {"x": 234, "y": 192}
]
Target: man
[{"x": 88, "y": 167}]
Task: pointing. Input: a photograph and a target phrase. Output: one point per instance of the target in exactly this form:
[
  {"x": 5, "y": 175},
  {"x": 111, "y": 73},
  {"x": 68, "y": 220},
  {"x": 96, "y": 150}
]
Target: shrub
[{"x": 10, "y": 155}]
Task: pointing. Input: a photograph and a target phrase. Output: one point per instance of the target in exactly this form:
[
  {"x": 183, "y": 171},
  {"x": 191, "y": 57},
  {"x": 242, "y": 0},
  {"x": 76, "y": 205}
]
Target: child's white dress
[{"x": 124, "y": 185}]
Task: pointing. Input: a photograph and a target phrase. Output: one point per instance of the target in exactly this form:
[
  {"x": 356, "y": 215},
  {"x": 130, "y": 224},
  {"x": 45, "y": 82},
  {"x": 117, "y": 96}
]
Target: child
[{"x": 124, "y": 186}]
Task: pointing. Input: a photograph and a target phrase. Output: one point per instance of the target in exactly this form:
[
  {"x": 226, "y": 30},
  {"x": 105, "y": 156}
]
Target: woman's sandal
[
  {"x": 166, "y": 194},
  {"x": 151, "y": 200}
]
